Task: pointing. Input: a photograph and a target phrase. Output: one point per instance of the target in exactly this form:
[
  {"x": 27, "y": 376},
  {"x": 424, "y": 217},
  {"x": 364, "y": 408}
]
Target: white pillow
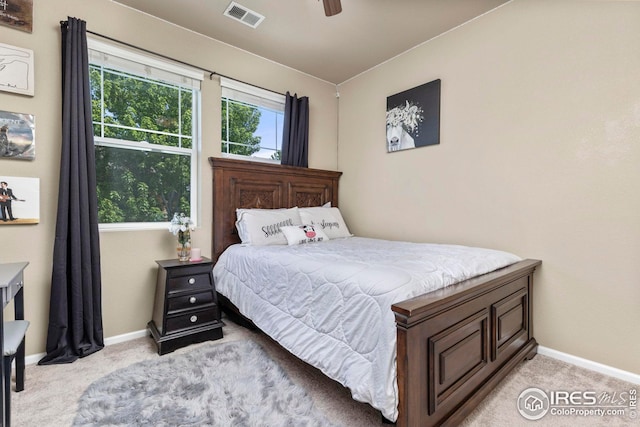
[
  {"x": 306, "y": 233},
  {"x": 329, "y": 219},
  {"x": 261, "y": 227}
]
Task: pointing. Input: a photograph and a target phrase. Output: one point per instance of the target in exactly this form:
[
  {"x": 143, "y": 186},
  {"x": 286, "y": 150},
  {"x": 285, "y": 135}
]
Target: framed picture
[
  {"x": 413, "y": 117},
  {"x": 19, "y": 200},
  {"x": 17, "y": 136},
  {"x": 17, "y": 14},
  {"x": 16, "y": 70}
]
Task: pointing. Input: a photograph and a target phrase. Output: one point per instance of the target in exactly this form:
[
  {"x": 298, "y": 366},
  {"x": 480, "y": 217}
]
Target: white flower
[
  {"x": 408, "y": 116},
  {"x": 181, "y": 226}
]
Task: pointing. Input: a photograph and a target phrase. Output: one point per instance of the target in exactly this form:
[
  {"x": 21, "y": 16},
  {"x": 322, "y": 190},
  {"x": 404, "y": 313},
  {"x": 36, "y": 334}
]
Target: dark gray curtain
[
  {"x": 295, "y": 136},
  {"x": 75, "y": 313}
]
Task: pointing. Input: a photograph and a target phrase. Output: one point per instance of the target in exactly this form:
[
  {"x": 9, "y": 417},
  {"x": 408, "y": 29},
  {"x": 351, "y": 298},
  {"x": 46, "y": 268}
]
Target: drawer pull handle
[
  {"x": 192, "y": 300},
  {"x": 192, "y": 281},
  {"x": 194, "y": 319}
]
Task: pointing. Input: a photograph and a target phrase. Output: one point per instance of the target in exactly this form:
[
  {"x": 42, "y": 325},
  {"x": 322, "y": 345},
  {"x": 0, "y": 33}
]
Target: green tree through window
[
  {"x": 144, "y": 138},
  {"x": 252, "y": 120},
  {"x": 239, "y": 123}
]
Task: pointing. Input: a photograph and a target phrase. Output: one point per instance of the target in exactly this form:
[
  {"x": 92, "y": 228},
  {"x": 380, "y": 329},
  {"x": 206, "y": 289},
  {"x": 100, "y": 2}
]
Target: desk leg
[
  {"x": 18, "y": 303},
  {"x": 3, "y": 381}
]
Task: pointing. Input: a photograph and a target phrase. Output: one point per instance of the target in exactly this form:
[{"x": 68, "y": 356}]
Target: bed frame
[{"x": 454, "y": 345}]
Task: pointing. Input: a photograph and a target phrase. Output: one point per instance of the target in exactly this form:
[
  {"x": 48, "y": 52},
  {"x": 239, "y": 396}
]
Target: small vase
[{"x": 184, "y": 251}]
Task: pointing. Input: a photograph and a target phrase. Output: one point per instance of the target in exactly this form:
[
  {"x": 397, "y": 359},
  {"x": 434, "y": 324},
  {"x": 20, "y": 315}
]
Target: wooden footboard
[{"x": 456, "y": 344}]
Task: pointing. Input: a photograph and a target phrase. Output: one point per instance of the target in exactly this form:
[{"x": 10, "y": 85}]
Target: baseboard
[
  {"x": 35, "y": 358},
  {"x": 591, "y": 365},
  {"x": 126, "y": 337}
]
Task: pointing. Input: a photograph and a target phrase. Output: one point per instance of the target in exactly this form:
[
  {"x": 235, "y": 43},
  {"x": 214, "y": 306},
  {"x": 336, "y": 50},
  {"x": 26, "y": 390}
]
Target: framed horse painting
[{"x": 413, "y": 117}]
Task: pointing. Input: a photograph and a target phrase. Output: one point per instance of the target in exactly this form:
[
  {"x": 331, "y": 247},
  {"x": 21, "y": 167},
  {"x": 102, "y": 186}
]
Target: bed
[{"x": 452, "y": 345}]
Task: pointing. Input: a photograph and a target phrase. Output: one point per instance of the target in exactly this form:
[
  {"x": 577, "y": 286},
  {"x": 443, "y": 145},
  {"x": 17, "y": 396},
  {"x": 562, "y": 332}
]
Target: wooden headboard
[{"x": 246, "y": 184}]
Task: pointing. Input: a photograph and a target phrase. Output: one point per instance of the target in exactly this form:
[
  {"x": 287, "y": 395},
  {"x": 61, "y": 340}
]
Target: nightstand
[{"x": 185, "y": 309}]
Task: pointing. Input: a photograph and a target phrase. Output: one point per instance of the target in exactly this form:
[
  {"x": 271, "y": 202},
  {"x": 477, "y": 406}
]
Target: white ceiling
[{"x": 296, "y": 33}]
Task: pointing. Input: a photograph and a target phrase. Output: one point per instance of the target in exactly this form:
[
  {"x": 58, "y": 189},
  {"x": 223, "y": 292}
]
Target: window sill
[
  {"x": 249, "y": 158},
  {"x": 133, "y": 226}
]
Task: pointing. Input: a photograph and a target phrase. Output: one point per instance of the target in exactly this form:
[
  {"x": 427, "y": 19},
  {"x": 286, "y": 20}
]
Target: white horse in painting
[
  {"x": 400, "y": 121},
  {"x": 398, "y": 138}
]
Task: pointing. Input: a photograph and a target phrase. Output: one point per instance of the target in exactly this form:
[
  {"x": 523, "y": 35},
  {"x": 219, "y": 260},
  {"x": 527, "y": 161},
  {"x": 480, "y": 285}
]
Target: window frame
[{"x": 171, "y": 74}]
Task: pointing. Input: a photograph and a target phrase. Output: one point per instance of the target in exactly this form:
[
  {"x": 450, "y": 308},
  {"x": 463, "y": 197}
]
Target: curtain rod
[{"x": 211, "y": 73}]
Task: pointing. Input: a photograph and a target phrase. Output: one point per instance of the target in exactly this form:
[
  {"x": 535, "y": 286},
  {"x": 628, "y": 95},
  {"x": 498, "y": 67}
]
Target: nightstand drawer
[
  {"x": 192, "y": 319},
  {"x": 192, "y": 281},
  {"x": 188, "y": 301}
]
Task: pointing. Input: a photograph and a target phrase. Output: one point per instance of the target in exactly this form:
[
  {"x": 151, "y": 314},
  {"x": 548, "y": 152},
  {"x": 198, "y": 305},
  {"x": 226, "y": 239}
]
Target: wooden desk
[{"x": 11, "y": 285}]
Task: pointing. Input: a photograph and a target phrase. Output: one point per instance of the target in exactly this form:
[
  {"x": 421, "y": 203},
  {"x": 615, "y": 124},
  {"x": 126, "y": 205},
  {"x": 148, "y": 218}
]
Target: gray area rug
[{"x": 228, "y": 384}]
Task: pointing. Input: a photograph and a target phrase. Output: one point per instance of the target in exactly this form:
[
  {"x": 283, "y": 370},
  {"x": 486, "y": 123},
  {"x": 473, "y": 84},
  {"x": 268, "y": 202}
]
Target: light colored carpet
[{"x": 52, "y": 392}]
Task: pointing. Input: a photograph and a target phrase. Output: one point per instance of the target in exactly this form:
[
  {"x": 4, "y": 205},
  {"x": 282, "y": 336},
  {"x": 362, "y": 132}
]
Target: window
[
  {"x": 252, "y": 121},
  {"x": 146, "y": 129}
]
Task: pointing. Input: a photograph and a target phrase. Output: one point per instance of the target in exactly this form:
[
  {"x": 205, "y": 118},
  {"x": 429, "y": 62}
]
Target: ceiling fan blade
[{"x": 332, "y": 7}]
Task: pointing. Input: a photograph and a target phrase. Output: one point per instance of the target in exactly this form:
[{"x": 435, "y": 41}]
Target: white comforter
[{"x": 329, "y": 303}]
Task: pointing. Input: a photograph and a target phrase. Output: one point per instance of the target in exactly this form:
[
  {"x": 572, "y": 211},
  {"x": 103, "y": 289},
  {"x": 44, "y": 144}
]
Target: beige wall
[
  {"x": 128, "y": 257},
  {"x": 539, "y": 155}
]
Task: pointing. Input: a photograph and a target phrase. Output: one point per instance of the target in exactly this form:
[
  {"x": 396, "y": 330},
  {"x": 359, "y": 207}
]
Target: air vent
[{"x": 240, "y": 13}]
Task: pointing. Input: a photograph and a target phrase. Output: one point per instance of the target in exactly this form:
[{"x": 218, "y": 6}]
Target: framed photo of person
[
  {"x": 17, "y": 14},
  {"x": 17, "y": 136},
  {"x": 19, "y": 200}
]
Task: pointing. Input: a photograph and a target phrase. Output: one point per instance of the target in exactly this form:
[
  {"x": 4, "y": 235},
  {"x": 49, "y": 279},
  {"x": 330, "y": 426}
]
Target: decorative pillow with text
[
  {"x": 261, "y": 227},
  {"x": 328, "y": 219}
]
